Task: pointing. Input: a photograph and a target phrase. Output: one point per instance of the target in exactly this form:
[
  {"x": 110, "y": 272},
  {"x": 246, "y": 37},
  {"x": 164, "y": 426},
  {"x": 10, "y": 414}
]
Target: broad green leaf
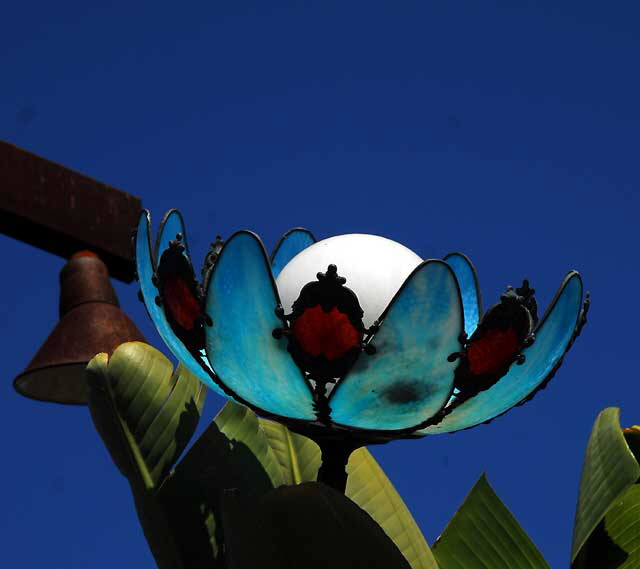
[
  {"x": 260, "y": 455},
  {"x": 483, "y": 534},
  {"x": 308, "y": 525},
  {"x": 242, "y": 427},
  {"x": 233, "y": 452},
  {"x": 158, "y": 527},
  {"x": 615, "y": 541},
  {"x": 239, "y": 451},
  {"x": 623, "y": 524},
  {"x": 145, "y": 412},
  {"x": 610, "y": 469},
  {"x": 369, "y": 487},
  {"x": 191, "y": 520},
  {"x": 285, "y": 457},
  {"x": 299, "y": 456}
]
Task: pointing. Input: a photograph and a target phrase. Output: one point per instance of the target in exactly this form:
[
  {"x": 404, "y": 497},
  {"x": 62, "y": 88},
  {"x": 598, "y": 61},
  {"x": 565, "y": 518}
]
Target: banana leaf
[
  {"x": 607, "y": 528},
  {"x": 146, "y": 413},
  {"x": 255, "y": 456},
  {"x": 483, "y": 534},
  {"x": 369, "y": 487},
  {"x": 232, "y": 453},
  {"x": 299, "y": 457},
  {"x": 308, "y": 525}
]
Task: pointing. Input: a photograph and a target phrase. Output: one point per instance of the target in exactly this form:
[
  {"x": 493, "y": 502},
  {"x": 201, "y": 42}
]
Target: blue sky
[{"x": 505, "y": 130}]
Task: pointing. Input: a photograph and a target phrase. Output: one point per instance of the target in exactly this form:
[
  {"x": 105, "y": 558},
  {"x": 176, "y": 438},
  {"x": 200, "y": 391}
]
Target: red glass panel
[
  {"x": 329, "y": 334},
  {"x": 180, "y": 302},
  {"x": 493, "y": 351}
]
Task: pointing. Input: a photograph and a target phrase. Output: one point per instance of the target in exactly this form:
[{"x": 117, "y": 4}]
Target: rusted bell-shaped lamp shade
[{"x": 90, "y": 322}]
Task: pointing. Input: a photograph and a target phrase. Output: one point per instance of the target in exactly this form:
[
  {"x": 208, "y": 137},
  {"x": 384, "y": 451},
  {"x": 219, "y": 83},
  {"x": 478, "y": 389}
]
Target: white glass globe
[{"x": 375, "y": 268}]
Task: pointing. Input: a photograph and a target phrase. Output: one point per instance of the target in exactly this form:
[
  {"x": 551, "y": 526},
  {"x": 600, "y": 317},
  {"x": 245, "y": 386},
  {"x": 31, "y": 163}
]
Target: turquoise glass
[
  {"x": 292, "y": 242},
  {"x": 408, "y": 378},
  {"x": 469, "y": 289},
  {"x": 241, "y": 301},
  {"x": 171, "y": 226},
  {"x": 552, "y": 338},
  {"x": 405, "y": 382},
  {"x": 145, "y": 266}
]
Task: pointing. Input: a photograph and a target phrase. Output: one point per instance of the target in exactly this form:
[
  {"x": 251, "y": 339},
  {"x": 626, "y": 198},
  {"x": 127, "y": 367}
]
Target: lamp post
[{"x": 72, "y": 216}]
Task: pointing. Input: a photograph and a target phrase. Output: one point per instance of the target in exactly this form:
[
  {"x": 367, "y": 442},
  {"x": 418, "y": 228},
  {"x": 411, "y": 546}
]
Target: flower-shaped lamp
[{"x": 352, "y": 340}]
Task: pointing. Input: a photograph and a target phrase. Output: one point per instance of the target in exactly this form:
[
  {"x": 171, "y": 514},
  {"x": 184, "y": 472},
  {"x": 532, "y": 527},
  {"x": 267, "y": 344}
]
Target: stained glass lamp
[{"x": 352, "y": 340}]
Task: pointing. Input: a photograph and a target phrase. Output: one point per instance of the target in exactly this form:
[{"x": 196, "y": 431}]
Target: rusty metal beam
[{"x": 62, "y": 212}]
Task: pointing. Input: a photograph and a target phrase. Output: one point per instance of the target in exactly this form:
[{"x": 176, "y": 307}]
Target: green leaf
[
  {"x": 483, "y": 534},
  {"x": 623, "y": 525},
  {"x": 256, "y": 451},
  {"x": 144, "y": 412},
  {"x": 308, "y": 525},
  {"x": 299, "y": 457},
  {"x": 610, "y": 469},
  {"x": 369, "y": 487},
  {"x": 238, "y": 451},
  {"x": 233, "y": 452},
  {"x": 242, "y": 427},
  {"x": 614, "y": 543},
  {"x": 259, "y": 455}
]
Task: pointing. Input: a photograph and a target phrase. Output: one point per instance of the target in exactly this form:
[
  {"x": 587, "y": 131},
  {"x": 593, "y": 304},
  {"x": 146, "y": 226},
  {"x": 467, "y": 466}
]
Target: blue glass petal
[
  {"x": 145, "y": 269},
  {"x": 552, "y": 338},
  {"x": 290, "y": 244},
  {"x": 241, "y": 301},
  {"x": 408, "y": 379},
  {"x": 170, "y": 227},
  {"x": 469, "y": 289}
]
